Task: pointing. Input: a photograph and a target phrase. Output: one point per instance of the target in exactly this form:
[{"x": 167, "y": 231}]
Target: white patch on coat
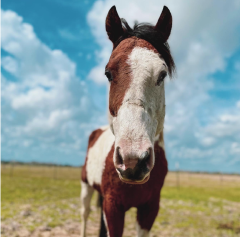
[
  {"x": 141, "y": 116},
  {"x": 97, "y": 156},
  {"x": 104, "y": 127},
  {"x": 141, "y": 232}
]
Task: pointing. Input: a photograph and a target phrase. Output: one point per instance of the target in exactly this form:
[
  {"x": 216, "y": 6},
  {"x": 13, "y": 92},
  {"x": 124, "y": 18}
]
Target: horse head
[{"x": 138, "y": 65}]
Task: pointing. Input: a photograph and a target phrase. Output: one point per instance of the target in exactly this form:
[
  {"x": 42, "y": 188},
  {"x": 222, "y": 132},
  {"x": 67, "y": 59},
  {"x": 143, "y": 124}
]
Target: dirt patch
[{"x": 229, "y": 226}]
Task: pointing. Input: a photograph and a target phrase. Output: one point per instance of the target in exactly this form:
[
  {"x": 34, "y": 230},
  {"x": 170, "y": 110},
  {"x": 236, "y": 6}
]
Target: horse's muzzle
[
  {"x": 136, "y": 181},
  {"x": 134, "y": 170}
]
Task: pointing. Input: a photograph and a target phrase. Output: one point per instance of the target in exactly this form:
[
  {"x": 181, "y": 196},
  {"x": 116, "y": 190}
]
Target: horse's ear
[
  {"x": 113, "y": 25},
  {"x": 164, "y": 24}
]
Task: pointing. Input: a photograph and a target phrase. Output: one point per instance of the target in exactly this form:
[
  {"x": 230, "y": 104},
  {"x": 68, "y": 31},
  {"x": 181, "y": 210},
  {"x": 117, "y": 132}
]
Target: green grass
[
  {"x": 37, "y": 190},
  {"x": 42, "y": 190},
  {"x": 199, "y": 194},
  {"x": 195, "y": 205}
]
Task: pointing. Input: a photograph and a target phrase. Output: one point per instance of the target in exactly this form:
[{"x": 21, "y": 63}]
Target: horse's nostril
[
  {"x": 119, "y": 159},
  {"x": 145, "y": 159},
  {"x": 144, "y": 155},
  {"x": 120, "y": 171}
]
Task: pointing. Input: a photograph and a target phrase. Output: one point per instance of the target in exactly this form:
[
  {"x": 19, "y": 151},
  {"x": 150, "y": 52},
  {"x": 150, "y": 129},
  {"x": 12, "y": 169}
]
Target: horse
[{"x": 125, "y": 160}]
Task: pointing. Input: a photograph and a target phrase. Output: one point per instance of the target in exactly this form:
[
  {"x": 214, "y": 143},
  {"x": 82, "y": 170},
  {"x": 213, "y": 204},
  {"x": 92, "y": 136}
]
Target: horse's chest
[
  {"x": 101, "y": 173},
  {"x": 132, "y": 195}
]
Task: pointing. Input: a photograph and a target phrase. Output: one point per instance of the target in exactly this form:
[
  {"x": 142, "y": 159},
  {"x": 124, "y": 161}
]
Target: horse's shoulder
[
  {"x": 100, "y": 144},
  {"x": 100, "y": 139},
  {"x": 94, "y": 136}
]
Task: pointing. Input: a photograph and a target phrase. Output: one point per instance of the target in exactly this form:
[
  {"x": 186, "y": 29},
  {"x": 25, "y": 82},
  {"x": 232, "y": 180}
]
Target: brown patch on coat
[
  {"x": 121, "y": 71},
  {"x": 92, "y": 140},
  {"x": 119, "y": 196}
]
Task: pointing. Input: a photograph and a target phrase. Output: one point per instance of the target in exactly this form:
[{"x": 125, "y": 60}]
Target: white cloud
[
  {"x": 10, "y": 64},
  {"x": 47, "y": 110},
  {"x": 204, "y": 35},
  {"x": 226, "y": 125},
  {"x": 235, "y": 148},
  {"x": 67, "y": 34},
  {"x": 238, "y": 104},
  {"x": 208, "y": 141}
]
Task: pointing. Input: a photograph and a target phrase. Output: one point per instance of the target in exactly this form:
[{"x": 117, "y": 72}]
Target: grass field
[{"x": 44, "y": 201}]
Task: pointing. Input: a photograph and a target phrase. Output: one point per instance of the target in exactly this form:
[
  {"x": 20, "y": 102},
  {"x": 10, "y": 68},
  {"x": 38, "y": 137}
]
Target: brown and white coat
[{"x": 126, "y": 160}]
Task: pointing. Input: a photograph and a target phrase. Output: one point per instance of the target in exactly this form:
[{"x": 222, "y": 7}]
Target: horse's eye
[
  {"x": 161, "y": 77},
  {"x": 108, "y": 75}
]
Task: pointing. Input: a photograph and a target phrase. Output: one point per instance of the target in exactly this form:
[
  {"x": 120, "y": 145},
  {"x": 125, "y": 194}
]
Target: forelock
[{"x": 147, "y": 32}]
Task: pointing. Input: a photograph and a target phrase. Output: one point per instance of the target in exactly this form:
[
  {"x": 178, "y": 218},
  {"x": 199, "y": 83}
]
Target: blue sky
[{"x": 54, "y": 91}]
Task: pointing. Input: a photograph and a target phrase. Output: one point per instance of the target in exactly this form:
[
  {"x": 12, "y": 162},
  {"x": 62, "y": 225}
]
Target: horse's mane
[{"x": 147, "y": 32}]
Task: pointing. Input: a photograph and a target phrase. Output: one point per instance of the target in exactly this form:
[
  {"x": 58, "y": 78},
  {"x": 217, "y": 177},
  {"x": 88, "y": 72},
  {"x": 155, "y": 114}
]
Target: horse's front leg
[
  {"x": 114, "y": 214},
  {"x": 146, "y": 215},
  {"x": 86, "y": 195}
]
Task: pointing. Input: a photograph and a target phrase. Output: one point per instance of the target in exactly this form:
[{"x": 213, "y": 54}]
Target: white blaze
[{"x": 142, "y": 113}]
